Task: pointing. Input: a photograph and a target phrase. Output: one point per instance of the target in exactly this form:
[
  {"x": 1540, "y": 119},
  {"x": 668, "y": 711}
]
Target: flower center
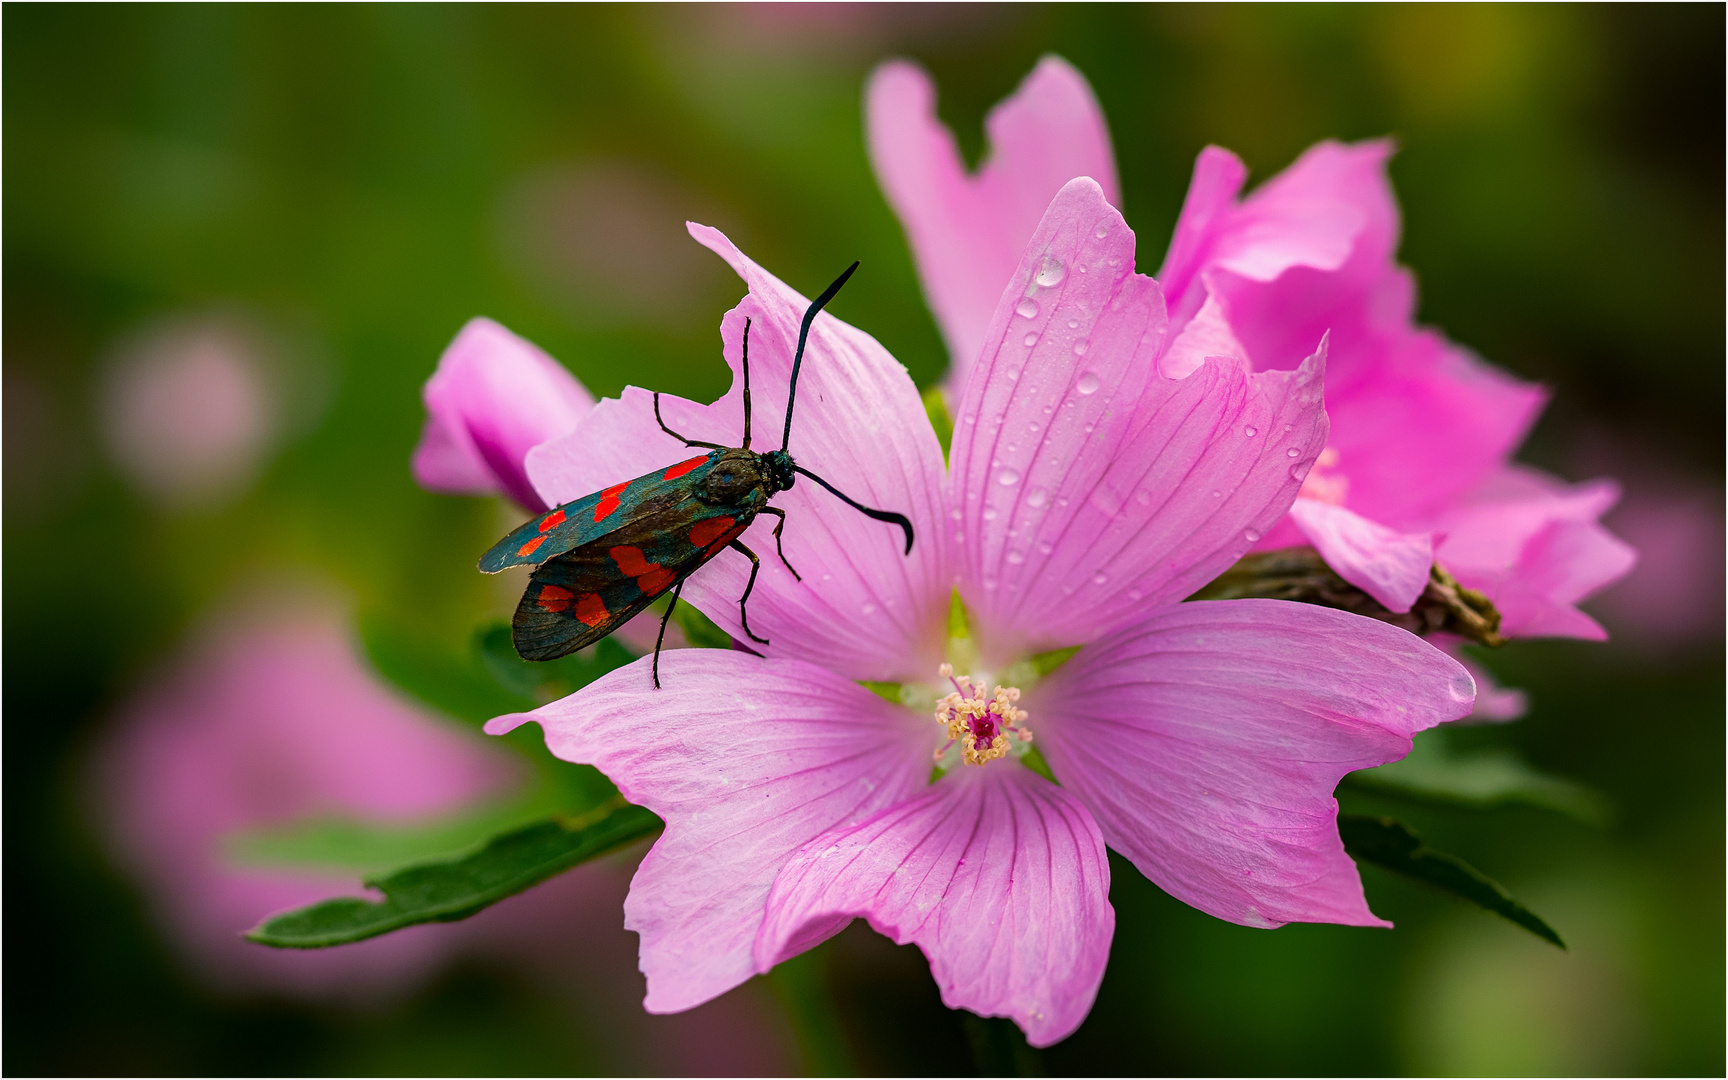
[{"x": 984, "y": 728}]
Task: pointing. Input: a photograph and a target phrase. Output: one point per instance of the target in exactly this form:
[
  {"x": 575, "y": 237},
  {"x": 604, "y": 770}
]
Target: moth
[{"x": 602, "y": 559}]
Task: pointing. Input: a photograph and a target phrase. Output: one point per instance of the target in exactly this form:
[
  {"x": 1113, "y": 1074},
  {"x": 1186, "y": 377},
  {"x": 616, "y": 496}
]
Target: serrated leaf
[
  {"x": 453, "y": 889},
  {"x": 1390, "y": 844},
  {"x": 1435, "y": 771}
]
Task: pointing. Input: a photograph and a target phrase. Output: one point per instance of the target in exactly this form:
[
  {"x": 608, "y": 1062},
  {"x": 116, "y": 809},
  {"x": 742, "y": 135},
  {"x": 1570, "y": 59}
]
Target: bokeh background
[{"x": 272, "y": 219}]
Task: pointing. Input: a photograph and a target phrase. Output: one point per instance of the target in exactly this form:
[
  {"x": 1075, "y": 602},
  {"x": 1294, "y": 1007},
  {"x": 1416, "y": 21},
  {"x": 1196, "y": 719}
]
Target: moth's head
[{"x": 777, "y": 470}]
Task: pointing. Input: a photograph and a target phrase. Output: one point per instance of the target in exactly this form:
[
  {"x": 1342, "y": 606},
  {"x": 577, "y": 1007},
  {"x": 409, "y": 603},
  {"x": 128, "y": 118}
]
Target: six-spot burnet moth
[{"x": 604, "y": 558}]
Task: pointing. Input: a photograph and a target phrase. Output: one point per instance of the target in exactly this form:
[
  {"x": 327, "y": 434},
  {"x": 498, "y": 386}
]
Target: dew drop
[
  {"x": 1216, "y": 494},
  {"x": 955, "y": 514},
  {"x": 1300, "y": 472},
  {"x": 1292, "y": 452},
  {"x": 1463, "y": 687},
  {"x": 1045, "y": 548},
  {"x": 1079, "y": 348},
  {"x": 1135, "y": 594},
  {"x": 1098, "y": 579},
  {"x": 1016, "y": 558},
  {"x": 1051, "y": 273},
  {"x": 1034, "y": 426},
  {"x": 1030, "y": 339},
  {"x": 1073, "y": 324},
  {"x": 1088, "y": 383},
  {"x": 1250, "y": 431},
  {"x": 1027, "y": 308},
  {"x": 1037, "y": 497},
  {"x": 1007, "y": 478},
  {"x": 989, "y": 513},
  {"x": 990, "y": 584},
  {"x": 869, "y": 608},
  {"x": 1103, "y": 229},
  {"x": 1250, "y": 535},
  {"x": 1081, "y": 267}
]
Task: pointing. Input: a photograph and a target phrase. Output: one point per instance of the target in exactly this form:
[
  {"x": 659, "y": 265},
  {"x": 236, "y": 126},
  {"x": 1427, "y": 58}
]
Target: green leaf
[
  {"x": 699, "y": 629},
  {"x": 1435, "y": 771},
  {"x": 1046, "y": 662},
  {"x": 548, "y": 680},
  {"x": 436, "y": 675},
  {"x": 453, "y": 889},
  {"x": 937, "y": 410},
  {"x": 1388, "y": 843}
]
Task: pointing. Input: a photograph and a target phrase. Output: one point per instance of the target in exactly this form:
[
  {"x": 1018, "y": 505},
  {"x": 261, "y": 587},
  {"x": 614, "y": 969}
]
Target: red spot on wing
[
  {"x": 652, "y": 578},
  {"x": 609, "y": 500},
  {"x": 683, "y": 467},
  {"x": 725, "y": 538},
  {"x": 705, "y": 532},
  {"x": 591, "y": 609},
  {"x": 552, "y": 520},
  {"x": 554, "y": 598},
  {"x": 528, "y": 548}
]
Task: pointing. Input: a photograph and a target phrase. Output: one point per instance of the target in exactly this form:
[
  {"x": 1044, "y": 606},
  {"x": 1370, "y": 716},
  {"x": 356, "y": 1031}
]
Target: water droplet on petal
[
  {"x": 955, "y": 513},
  {"x": 1250, "y": 535},
  {"x": 1030, "y": 339},
  {"x": 1027, "y": 308},
  {"x": 1463, "y": 687},
  {"x": 1045, "y": 548},
  {"x": 989, "y": 513},
  {"x": 1300, "y": 472},
  {"x": 1250, "y": 431},
  {"x": 1073, "y": 324},
  {"x": 990, "y": 584},
  {"x": 1099, "y": 578},
  {"x": 1007, "y": 477},
  {"x": 1292, "y": 452},
  {"x": 1216, "y": 494},
  {"x": 1051, "y": 273},
  {"x": 1088, "y": 383},
  {"x": 1135, "y": 594},
  {"x": 869, "y": 608},
  {"x": 1016, "y": 558},
  {"x": 1079, "y": 348},
  {"x": 1103, "y": 229},
  {"x": 1037, "y": 497}
]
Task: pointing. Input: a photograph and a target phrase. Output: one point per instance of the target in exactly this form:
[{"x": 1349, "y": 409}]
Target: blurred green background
[{"x": 352, "y": 183}]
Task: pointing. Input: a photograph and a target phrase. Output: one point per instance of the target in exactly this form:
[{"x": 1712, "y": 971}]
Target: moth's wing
[
  {"x": 577, "y": 598},
  {"x": 568, "y": 527}
]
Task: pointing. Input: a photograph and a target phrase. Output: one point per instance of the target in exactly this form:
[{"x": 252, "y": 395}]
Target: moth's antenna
[
  {"x": 880, "y": 515},
  {"x": 746, "y": 384},
  {"x": 798, "y": 360}
]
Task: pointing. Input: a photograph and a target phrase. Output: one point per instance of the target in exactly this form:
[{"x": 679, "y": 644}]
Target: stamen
[{"x": 985, "y": 727}]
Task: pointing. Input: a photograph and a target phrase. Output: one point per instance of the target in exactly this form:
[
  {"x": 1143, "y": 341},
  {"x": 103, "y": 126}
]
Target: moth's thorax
[{"x": 737, "y": 478}]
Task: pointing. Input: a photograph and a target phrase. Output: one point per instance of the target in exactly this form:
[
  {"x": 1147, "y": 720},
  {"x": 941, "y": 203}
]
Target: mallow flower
[
  {"x": 884, "y": 757},
  {"x": 493, "y": 398},
  {"x": 1418, "y": 465}
]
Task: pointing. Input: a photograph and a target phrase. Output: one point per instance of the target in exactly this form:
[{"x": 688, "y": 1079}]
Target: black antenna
[
  {"x": 880, "y": 515},
  {"x": 746, "y": 384},
  {"x": 798, "y": 360}
]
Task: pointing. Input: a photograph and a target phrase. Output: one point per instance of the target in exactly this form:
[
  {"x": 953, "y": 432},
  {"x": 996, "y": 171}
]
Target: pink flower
[
  {"x": 1087, "y": 496},
  {"x": 269, "y": 721},
  {"x": 1417, "y": 467},
  {"x": 492, "y": 399}
]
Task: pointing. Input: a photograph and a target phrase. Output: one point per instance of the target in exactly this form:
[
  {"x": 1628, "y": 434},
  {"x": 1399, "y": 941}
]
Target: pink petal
[
  {"x": 1533, "y": 545},
  {"x": 1207, "y": 334},
  {"x": 967, "y": 232},
  {"x": 1333, "y": 202},
  {"x": 1001, "y": 878},
  {"x": 1388, "y": 565},
  {"x": 1207, "y": 740},
  {"x": 865, "y": 608},
  {"x": 493, "y": 398},
  {"x": 747, "y": 760},
  {"x": 1088, "y": 486}
]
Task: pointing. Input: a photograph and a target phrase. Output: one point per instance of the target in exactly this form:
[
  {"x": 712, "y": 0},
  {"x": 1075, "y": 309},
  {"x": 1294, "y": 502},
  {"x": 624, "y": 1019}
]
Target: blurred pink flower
[
  {"x": 1417, "y": 468},
  {"x": 493, "y": 398},
  {"x": 1087, "y": 495},
  {"x": 189, "y": 410},
  {"x": 270, "y": 720}
]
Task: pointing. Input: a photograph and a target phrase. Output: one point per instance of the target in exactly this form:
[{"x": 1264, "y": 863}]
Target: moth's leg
[
  {"x": 781, "y": 514},
  {"x": 674, "y": 434},
  {"x": 746, "y": 384},
  {"x": 743, "y": 612},
  {"x": 664, "y": 619}
]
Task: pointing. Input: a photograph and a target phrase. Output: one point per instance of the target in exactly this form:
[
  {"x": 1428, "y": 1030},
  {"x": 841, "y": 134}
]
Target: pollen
[{"x": 986, "y": 726}]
